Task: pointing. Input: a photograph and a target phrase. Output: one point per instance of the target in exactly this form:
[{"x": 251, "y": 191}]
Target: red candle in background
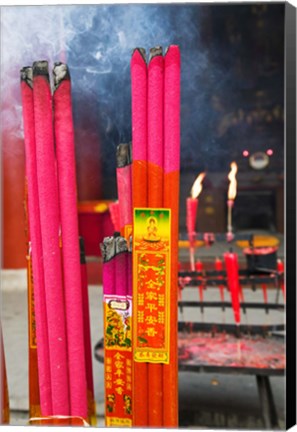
[
  {"x": 50, "y": 227},
  {"x": 219, "y": 268},
  {"x": 192, "y": 207},
  {"x": 64, "y": 139},
  {"x": 280, "y": 269},
  {"x": 231, "y": 264},
  {"x": 44, "y": 375},
  {"x": 199, "y": 268}
]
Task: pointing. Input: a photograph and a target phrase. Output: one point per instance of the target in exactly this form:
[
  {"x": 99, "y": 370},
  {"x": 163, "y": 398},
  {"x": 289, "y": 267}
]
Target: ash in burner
[{"x": 225, "y": 350}]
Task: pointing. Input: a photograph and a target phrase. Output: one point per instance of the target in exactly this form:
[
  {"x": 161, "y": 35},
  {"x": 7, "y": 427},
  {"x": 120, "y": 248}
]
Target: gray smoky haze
[{"x": 97, "y": 42}]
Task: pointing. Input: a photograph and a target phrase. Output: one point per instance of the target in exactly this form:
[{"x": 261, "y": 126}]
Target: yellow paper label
[
  {"x": 151, "y": 285},
  {"x": 118, "y": 360}
]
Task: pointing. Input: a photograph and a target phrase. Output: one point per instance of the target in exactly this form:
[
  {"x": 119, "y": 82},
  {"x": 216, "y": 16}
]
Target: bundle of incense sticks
[
  {"x": 117, "y": 331},
  {"x": 155, "y": 185},
  {"x": 52, "y": 211},
  {"x": 124, "y": 184}
]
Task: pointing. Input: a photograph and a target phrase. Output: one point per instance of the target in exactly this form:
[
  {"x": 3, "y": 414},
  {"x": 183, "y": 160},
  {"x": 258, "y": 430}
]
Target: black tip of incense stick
[
  {"x": 61, "y": 73},
  {"x": 155, "y": 51},
  {"x": 122, "y": 155},
  {"x": 107, "y": 248},
  {"x": 130, "y": 153},
  {"x": 82, "y": 251},
  {"x": 120, "y": 245},
  {"x": 26, "y": 74},
  {"x": 40, "y": 67},
  {"x": 141, "y": 52}
]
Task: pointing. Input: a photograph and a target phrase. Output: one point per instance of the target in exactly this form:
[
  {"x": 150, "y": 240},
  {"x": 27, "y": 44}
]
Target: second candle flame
[
  {"x": 233, "y": 182},
  {"x": 197, "y": 185}
]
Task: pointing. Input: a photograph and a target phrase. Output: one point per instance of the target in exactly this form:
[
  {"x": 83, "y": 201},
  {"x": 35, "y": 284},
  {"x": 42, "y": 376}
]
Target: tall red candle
[
  {"x": 50, "y": 227},
  {"x": 280, "y": 269},
  {"x": 44, "y": 374},
  {"x": 64, "y": 137},
  {"x": 231, "y": 264},
  {"x": 219, "y": 268}
]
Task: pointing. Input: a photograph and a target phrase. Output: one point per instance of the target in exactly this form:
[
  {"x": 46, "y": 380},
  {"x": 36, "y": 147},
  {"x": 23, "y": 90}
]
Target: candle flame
[
  {"x": 233, "y": 182},
  {"x": 197, "y": 185}
]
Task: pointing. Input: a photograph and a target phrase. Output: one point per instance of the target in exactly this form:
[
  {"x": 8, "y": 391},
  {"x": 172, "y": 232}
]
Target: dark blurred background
[{"x": 232, "y": 102}]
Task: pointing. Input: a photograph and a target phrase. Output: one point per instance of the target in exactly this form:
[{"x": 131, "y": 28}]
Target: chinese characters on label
[
  {"x": 118, "y": 361},
  {"x": 151, "y": 290}
]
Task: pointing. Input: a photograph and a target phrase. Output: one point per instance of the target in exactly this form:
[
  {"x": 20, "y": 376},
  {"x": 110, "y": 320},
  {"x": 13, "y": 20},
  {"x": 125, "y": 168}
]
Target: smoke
[{"x": 96, "y": 42}]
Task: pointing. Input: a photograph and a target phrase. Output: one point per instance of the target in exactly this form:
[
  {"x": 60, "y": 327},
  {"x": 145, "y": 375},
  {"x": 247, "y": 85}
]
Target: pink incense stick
[
  {"x": 155, "y": 145},
  {"x": 124, "y": 185},
  {"x": 108, "y": 270},
  {"x": 139, "y": 194},
  {"x": 139, "y": 130},
  {"x": 171, "y": 200},
  {"x": 64, "y": 135},
  {"x": 121, "y": 280},
  {"x": 50, "y": 225},
  {"x": 44, "y": 374},
  {"x": 86, "y": 321},
  {"x": 114, "y": 209}
]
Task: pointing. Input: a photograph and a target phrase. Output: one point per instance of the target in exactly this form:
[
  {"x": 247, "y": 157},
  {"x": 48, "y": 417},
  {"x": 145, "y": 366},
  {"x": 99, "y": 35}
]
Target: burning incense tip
[
  {"x": 108, "y": 248},
  {"x": 61, "y": 73},
  {"x": 197, "y": 185},
  {"x": 155, "y": 51},
  {"x": 41, "y": 68},
  {"x": 27, "y": 75},
  {"x": 120, "y": 245},
  {"x": 123, "y": 155},
  {"x": 141, "y": 51}
]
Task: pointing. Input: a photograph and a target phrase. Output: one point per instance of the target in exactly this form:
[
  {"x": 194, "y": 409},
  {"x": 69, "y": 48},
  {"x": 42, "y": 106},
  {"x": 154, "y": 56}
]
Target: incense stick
[
  {"x": 92, "y": 419},
  {"x": 155, "y": 145},
  {"x": 124, "y": 186},
  {"x": 139, "y": 191},
  {"x": 44, "y": 373},
  {"x": 49, "y": 222},
  {"x": 64, "y": 137},
  {"x": 171, "y": 200}
]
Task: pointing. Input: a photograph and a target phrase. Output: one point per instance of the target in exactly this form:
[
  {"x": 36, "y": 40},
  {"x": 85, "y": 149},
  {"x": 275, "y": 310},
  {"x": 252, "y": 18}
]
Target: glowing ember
[
  {"x": 233, "y": 182},
  {"x": 197, "y": 185}
]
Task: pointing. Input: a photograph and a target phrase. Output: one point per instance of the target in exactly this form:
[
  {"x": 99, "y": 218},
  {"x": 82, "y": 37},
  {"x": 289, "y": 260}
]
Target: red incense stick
[
  {"x": 49, "y": 221},
  {"x": 155, "y": 200},
  {"x": 44, "y": 374},
  {"x": 139, "y": 193},
  {"x": 87, "y": 336},
  {"x": 108, "y": 270},
  {"x": 219, "y": 268},
  {"x": 64, "y": 135},
  {"x": 114, "y": 209},
  {"x": 171, "y": 200}
]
